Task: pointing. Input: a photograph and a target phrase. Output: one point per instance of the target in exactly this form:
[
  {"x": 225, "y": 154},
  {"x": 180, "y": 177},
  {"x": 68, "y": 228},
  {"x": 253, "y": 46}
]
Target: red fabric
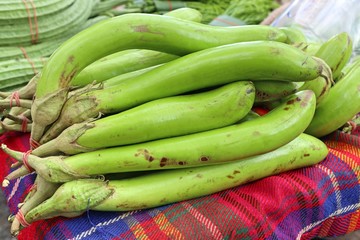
[{"x": 322, "y": 200}]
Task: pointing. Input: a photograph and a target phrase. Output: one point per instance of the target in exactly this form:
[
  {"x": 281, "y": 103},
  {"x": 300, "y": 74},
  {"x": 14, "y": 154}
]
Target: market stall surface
[{"x": 4, "y": 224}]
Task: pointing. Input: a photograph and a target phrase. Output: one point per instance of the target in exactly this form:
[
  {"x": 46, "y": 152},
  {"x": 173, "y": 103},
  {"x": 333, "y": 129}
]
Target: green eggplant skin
[
  {"x": 249, "y": 138},
  {"x": 166, "y": 117},
  {"x": 186, "y": 13},
  {"x": 257, "y": 60},
  {"x": 339, "y": 106},
  {"x": 83, "y": 194},
  {"x": 130, "y": 31},
  {"x": 142, "y": 31},
  {"x": 152, "y": 190},
  {"x": 191, "y": 183},
  {"x": 120, "y": 63},
  {"x": 273, "y": 90},
  {"x": 336, "y": 52},
  {"x": 294, "y": 35}
]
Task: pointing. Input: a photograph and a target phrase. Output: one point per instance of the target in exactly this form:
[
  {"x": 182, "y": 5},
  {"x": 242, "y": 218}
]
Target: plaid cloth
[{"x": 322, "y": 200}]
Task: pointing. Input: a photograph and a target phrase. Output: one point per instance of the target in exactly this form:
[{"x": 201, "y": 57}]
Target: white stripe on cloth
[
  {"x": 336, "y": 213},
  {"x": 93, "y": 228}
]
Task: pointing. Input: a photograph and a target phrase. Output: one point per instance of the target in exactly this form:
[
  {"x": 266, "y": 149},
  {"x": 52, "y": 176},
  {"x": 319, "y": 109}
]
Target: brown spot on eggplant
[
  {"x": 249, "y": 179},
  {"x": 204, "y": 159},
  {"x": 292, "y": 160},
  {"x": 181, "y": 163},
  {"x": 286, "y": 109},
  {"x": 230, "y": 176},
  {"x": 236, "y": 172},
  {"x": 66, "y": 78},
  {"x": 163, "y": 161},
  {"x": 306, "y": 155},
  {"x": 290, "y": 102},
  {"x": 277, "y": 170},
  {"x": 146, "y": 154},
  {"x": 71, "y": 58}
]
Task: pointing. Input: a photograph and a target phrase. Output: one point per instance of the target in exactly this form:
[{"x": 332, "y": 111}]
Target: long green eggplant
[
  {"x": 249, "y": 138},
  {"x": 152, "y": 190},
  {"x": 257, "y": 60},
  {"x": 162, "y": 118},
  {"x": 156, "y": 32},
  {"x": 336, "y": 53},
  {"x": 132, "y": 59},
  {"x": 273, "y": 90},
  {"x": 120, "y": 63},
  {"x": 340, "y": 105}
]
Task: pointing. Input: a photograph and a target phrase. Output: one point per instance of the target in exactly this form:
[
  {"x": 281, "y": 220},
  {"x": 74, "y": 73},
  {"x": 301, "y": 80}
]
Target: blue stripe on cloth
[
  {"x": 347, "y": 179},
  {"x": 97, "y": 225},
  {"x": 101, "y": 225},
  {"x": 16, "y": 190},
  {"x": 333, "y": 201}
]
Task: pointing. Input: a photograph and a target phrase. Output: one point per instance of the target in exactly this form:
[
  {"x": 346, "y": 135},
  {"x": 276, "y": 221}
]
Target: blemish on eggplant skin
[
  {"x": 145, "y": 29},
  {"x": 229, "y": 176},
  {"x": 140, "y": 28},
  {"x": 250, "y": 90},
  {"x": 304, "y": 62},
  {"x": 236, "y": 172},
  {"x": 181, "y": 163},
  {"x": 145, "y": 153},
  {"x": 163, "y": 161},
  {"x": 66, "y": 78},
  {"x": 71, "y": 58},
  {"x": 276, "y": 170},
  {"x": 306, "y": 155},
  {"x": 272, "y": 35},
  {"x": 286, "y": 109},
  {"x": 204, "y": 159},
  {"x": 292, "y": 101},
  {"x": 256, "y": 133},
  {"x": 292, "y": 160},
  {"x": 275, "y": 51}
]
